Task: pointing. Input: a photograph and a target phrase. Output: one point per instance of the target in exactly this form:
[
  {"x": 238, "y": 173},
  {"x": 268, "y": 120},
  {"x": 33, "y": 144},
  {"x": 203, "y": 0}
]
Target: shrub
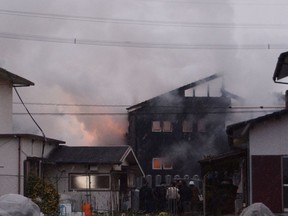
[{"x": 43, "y": 194}]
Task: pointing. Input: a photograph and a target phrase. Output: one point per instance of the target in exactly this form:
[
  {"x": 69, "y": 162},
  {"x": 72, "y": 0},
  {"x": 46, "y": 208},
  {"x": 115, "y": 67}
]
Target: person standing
[
  {"x": 172, "y": 195},
  {"x": 160, "y": 197},
  {"x": 146, "y": 198},
  {"x": 185, "y": 198}
]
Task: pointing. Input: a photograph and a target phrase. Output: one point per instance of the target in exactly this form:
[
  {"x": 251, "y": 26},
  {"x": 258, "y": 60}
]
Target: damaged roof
[
  {"x": 175, "y": 92},
  {"x": 89, "y": 154},
  {"x": 174, "y": 97},
  {"x": 14, "y": 79}
]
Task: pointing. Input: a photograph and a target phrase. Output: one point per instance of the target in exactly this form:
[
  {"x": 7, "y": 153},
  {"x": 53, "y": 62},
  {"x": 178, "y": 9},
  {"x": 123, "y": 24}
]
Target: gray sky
[{"x": 122, "y": 52}]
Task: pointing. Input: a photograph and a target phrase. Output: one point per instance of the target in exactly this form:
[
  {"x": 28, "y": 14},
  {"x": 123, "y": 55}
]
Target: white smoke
[{"x": 89, "y": 74}]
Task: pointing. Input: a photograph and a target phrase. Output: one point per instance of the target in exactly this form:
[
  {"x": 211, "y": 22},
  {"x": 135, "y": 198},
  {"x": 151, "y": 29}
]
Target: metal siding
[{"x": 267, "y": 181}]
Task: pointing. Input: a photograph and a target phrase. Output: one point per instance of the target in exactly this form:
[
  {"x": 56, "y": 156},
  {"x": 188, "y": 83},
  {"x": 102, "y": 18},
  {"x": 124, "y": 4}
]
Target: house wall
[
  {"x": 13, "y": 152},
  {"x": 269, "y": 138},
  {"x": 5, "y": 107},
  {"x": 267, "y": 181},
  {"x": 267, "y": 145},
  {"x": 105, "y": 200}
]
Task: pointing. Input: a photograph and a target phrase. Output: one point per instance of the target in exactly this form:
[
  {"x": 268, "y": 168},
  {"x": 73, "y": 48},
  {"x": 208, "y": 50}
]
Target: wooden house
[
  {"x": 103, "y": 176},
  {"x": 171, "y": 132}
]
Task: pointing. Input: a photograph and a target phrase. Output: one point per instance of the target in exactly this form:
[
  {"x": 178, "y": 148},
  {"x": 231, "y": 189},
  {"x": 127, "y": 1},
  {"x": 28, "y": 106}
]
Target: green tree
[{"x": 43, "y": 194}]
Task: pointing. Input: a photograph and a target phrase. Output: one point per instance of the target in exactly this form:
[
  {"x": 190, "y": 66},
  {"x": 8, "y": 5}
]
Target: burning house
[{"x": 170, "y": 133}]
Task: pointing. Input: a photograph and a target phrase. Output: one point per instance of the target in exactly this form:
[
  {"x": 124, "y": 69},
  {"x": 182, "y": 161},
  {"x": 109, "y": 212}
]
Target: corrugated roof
[
  {"x": 16, "y": 80},
  {"x": 88, "y": 154}
]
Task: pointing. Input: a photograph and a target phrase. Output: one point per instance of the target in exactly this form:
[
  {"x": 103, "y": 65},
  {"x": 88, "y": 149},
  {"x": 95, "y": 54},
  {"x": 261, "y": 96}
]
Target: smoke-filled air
[{"x": 92, "y": 59}]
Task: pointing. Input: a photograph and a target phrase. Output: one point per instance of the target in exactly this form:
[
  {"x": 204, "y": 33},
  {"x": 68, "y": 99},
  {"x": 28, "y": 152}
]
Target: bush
[{"x": 43, "y": 194}]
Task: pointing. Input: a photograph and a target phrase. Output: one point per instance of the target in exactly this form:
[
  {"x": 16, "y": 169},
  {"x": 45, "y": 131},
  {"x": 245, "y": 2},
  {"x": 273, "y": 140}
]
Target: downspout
[{"x": 19, "y": 165}]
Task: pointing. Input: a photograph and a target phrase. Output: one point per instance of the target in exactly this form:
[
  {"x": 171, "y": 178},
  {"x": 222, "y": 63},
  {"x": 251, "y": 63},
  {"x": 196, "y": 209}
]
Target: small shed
[
  {"x": 224, "y": 182},
  {"x": 102, "y": 176},
  {"x": 265, "y": 139}
]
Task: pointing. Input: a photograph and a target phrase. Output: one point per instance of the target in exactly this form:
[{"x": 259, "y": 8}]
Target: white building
[
  {"x": 20, "y": 154},
  {"x": 105, "y": 177}
]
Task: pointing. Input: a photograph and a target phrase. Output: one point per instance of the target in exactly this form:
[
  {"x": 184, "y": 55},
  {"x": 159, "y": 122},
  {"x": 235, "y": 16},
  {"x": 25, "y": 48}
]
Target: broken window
[
  {"x": 156, "y": 126},
  {"x": 167, "y": 164},
  {"x": 167, "y": 126},
  {"x": 161, "y": 163},
  {"x": 157, "y": 163},
  {"x": 89, "y": 182},
  {"x": 187, "y": 126}
]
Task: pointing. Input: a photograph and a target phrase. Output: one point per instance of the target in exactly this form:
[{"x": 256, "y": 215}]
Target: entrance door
[
  {"x": 267, "y": 181},
  {"x": 285, "y": 183}
]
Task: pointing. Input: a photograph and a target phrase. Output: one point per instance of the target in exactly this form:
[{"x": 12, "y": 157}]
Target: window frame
[
  {"x": 88, "y": 175},
  {"x": 156, "y": 126},
  {"x": 160, "y": 163},
  {"x": 167, "y": 126}
]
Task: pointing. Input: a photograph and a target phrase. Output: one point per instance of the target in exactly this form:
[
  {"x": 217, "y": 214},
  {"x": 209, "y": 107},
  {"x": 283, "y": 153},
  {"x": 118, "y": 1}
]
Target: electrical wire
[
  {"x": 220, "y": 3},
  {"x": 128, "y": 105},
  {"x": 144, "y": 44},
  {"x": 142, "y": 22},
  {"x": 38, "y": 126},
  {"x": 79, "y": 105},
  {"x": 151, "y": 113}
]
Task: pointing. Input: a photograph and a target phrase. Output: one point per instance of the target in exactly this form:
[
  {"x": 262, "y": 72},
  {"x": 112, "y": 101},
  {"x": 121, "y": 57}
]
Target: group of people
[{"x": 177, "y": 198}]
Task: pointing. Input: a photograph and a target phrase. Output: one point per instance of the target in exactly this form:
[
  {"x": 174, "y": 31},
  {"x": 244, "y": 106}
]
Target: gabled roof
[
  {"x": 175, "y": 92},
  {"x": 251, "y": 122},
  {"x": 14, "y": 79},
  {"x": 32, "y": 136},
  {"x": 240, "y": 129},
  {"x": 92, "y": 154}
]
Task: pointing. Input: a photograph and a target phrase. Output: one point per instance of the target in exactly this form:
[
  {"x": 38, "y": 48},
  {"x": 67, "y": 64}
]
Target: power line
[
  {"x": 142, "y": 22},
  {"x": 220, "y": 3},
  {"x": 142, "y": 44},
  {"x": 80, "y": 105},
  {"x": 129, "y": 105},
  {"x": 150, "y": 113}
]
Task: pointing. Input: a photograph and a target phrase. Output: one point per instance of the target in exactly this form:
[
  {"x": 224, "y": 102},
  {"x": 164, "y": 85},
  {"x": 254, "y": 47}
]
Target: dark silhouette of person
[
  {"x": 185, "y": 197},
  {"x": 160, "y": 197},
  {"x": 146, "y": 198}
]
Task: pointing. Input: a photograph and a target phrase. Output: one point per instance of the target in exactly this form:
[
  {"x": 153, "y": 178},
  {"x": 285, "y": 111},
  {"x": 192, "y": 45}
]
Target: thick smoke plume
[{"x": 92, "y": 74}]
